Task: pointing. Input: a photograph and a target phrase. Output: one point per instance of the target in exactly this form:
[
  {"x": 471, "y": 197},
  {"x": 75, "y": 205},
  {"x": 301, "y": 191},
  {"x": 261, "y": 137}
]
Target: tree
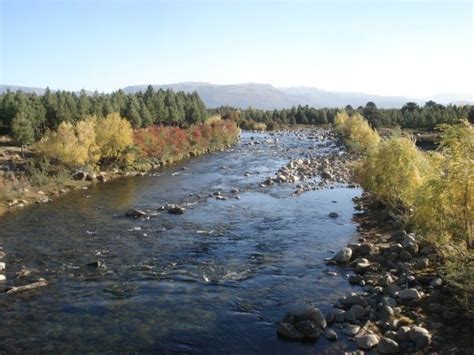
[{"x": 22, "y": 130}]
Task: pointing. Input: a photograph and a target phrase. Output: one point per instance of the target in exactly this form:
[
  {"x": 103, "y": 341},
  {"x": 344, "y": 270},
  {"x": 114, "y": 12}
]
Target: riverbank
[
  {"x": 26, "y": 178},
  {"x": 403, "y": 304}
]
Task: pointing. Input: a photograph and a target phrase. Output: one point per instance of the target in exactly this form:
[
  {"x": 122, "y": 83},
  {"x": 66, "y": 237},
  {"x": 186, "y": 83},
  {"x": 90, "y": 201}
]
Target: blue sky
[{"x": 412, "y": 48}]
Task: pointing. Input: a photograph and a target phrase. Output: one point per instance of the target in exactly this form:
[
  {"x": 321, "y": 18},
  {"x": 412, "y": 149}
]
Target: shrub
[
  {"x": 359, "y": 136},
  {"x": 393, "y": 171},
  {"x": 444, "y": 207}
]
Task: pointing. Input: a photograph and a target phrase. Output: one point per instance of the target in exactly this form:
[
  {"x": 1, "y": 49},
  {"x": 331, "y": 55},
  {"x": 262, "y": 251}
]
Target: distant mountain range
[{"x": 265, "y": 96}]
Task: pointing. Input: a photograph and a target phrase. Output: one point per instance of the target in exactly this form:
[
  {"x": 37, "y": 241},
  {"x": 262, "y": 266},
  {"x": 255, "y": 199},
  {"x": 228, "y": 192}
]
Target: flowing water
[{"x": 215, "y": 279}]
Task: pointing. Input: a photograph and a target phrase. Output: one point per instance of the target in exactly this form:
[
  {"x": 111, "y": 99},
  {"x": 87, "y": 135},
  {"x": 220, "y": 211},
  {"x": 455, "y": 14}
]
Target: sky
[{"x": 408, "y": 48}]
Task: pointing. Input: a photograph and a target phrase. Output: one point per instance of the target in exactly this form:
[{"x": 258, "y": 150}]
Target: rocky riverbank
[{"x": 403, "y": 305}]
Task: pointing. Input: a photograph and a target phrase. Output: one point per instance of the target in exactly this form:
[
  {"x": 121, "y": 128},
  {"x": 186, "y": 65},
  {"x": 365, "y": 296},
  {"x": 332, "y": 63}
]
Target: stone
[
  {"x": 386, "y": 313},
  {"x": 358, "y": 311},
  {"x": 343, "y": 256},
  {"x": 405, "y": 255},
  {"x": 79, "y": 175},
  {"x": 314, "y": 315},
  {"x": 355, "y": 299},
  {"x": 403, "y": 334},
  {"x": 333, "y": 214},
  {"x": 309, "y": 329},
  {"x": 2, "y": 254},
  {"x": 422, "y": 263},
  {"x": 288, "y": 331},
  {"x": 135, "y": 213},
  {"x": 409, "y": 243},
  {"x": 420, "y": 336},
  {"x": 409, "y": 294},
  {"x": 391, "y": 335},
  {"x": 367, "y": 342},
  {"x": 175, "y": 209},
  {"x": 366, "y": 249},
  {"x": 350, "y": 329},
  {"x": 436, "y": 282},
  {"x": 2, "y": 277},
  {"x": 330, "y": 334},
  {"x": 339, "y": 315},
  {"x": 2, "y": 266},
  {"x": 388, "y": 346},
  {"x": 101, "y": 178}
]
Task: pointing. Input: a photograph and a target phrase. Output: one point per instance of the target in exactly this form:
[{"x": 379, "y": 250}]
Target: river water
[{"x": 216, "y": 279}]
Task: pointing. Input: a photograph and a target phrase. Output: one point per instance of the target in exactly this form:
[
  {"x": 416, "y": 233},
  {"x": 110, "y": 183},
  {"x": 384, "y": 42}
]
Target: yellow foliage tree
[
  {"x": 394, "y": 171},
  {"x": 360, "y": 137},
  {"x": 114, "y": 136},
  {"x": 445, "y": 203},
  {"x": 62, "y": 145}
]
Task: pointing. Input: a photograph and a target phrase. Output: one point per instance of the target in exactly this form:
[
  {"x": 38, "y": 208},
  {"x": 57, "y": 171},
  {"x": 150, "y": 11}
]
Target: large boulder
[
  {"x": 175, "y": 209},
  {"x": 309, "y": 329},
  {"x": 343, "y": 256}
]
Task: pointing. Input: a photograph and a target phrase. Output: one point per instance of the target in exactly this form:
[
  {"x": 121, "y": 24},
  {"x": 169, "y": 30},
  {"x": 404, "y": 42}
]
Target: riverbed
[{"x": 216, "y": 279}]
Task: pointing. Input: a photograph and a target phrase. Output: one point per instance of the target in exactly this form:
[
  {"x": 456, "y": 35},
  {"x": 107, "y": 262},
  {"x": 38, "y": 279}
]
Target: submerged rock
[
  {"x": 175, "y": 209},
  {"x": 330, "y": 334},
  {"x": 135, "y": 213}
]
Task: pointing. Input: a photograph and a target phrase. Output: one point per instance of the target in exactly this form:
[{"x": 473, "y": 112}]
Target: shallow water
[{"x": 216, "y": 279}]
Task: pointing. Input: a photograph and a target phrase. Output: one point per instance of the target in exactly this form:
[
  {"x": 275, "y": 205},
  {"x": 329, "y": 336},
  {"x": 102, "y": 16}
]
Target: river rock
[
  {"x": 309, "y": 329},
  {"x": 350, "y": 329},
  {"x": 403, "y": 334},
  {"x": 354, "y": 299},
  {"x": 409, "y": 243},
  {"x": 339, "y": 315},
  {"x": 436, "y": 282},
  {"x": 175, "y": 209},
  {"x": 314, "y": 315},
  {"x": 2, "y": 266},
  {"x": 405, "y": 255},
  {"x": 330, "y": 334},
  {"x": 101, "y": 178},
  {"x": 333, "y": 214},
  {"x": 388, "y": 346},
  {"x": 420, "y": 336},
  {"x": 367, "y": 342},
  {"x": 386, "y": 313},
  {"x": 288, "y": 331},
  {"x": 79, "y": 175},
  {"x": 409, "y": 294},
  {"x": 135, "y": 213},
  {"x": 343, "y": 255},
  {"x": 358, "y": 311},
  {"x": 2, "y": 277},
  {"x": 2, "y": 254},
  {"x": 366, "y": 249}
]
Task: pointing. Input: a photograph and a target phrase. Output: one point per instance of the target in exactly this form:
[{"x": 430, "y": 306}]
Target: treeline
[
  {"x": 33, "y": 114},
  {"x": 411, "y": 115}
]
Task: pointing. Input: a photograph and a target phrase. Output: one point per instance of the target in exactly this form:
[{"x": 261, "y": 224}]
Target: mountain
[
  {"x": 265, "y": 96},
  {"x": 28, "y": 89},
  {"x": 13, "y": 88}
]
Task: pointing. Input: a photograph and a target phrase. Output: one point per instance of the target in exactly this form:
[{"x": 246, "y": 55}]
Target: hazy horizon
[{"x": 411, "y": 49}]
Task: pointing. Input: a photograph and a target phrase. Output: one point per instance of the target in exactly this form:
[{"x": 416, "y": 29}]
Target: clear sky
[{"x": 411, "y": 48}]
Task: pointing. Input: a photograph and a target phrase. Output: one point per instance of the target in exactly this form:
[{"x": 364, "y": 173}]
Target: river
[{"x": 215, "y": 279}]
